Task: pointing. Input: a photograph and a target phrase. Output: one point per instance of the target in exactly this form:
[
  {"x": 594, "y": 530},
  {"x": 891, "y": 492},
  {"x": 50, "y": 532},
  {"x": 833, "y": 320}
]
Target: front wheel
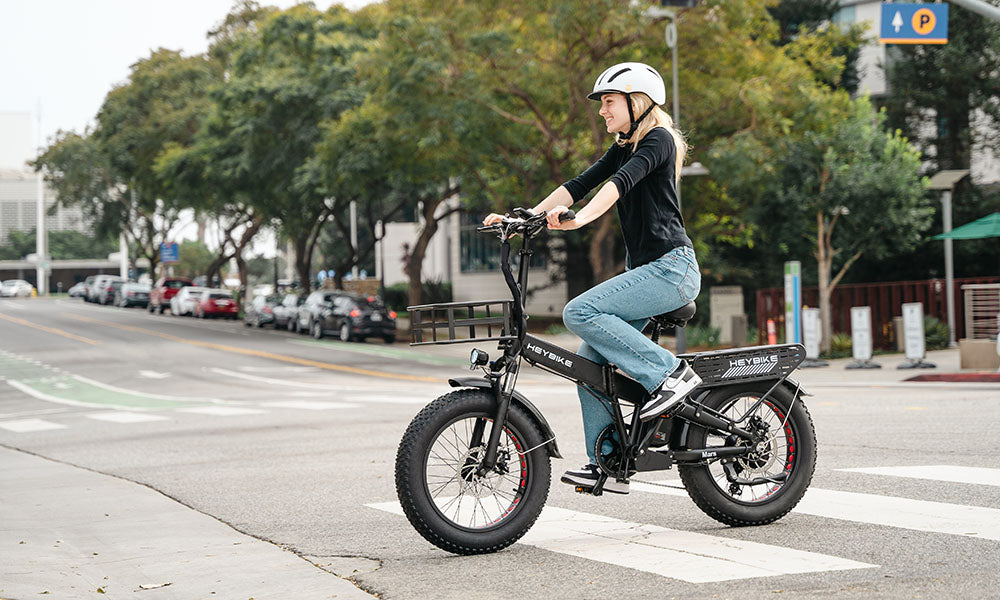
[
  {"x": 764, "y": 485},
  {"x": 442, "y": 493}
]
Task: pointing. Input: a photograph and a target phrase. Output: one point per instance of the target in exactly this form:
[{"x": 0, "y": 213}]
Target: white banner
[
  {"x": 913, "y": 330},
  {"x": 811, "y": 335},
  {"x": 861, "y": 332}
]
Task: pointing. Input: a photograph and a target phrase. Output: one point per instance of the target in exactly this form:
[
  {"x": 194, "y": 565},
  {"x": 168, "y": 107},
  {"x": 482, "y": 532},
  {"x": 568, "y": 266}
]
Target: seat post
[{"x": 656, "y": 333}]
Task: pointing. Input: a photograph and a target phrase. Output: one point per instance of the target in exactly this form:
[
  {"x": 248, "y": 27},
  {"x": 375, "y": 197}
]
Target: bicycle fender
[{"x": 482, "y": 382}]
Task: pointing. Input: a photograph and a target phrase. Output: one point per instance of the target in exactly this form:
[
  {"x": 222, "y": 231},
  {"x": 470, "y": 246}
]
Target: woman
[{"x": 661, "y": 273}]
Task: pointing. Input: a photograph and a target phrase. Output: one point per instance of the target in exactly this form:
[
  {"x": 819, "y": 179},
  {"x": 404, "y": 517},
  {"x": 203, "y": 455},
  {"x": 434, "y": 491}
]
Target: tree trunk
[
  {"x": 302, "y": 263},
  {"x": 415, "y": 262}
]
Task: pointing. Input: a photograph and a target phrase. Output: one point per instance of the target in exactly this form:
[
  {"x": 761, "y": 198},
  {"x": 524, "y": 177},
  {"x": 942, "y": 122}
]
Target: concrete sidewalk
[{"x": 66, "y": 532}]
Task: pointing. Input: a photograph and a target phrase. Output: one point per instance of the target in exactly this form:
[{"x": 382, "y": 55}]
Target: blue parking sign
[
  {"x": 914, "y": 24},
  {"x": 169, "y": 252}
]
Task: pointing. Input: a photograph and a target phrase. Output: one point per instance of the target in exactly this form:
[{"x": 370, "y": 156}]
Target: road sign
[
  {"x": 861, "y": 332},
  {"x": 913, "y": 330},
  {"x": 169, "y": 252},
  {"x": 914, "y": 24},
  {"x": 793, "y": 302},
  {"x": 810, "y": 332}
]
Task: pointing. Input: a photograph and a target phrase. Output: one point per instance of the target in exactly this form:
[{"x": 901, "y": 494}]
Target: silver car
[{"x": 16, "y": 287}]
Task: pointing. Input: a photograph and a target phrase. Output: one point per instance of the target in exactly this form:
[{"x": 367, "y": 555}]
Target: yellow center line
[
  {"x": 49, "y": 329},
  {"x": 258, "y": 353}
]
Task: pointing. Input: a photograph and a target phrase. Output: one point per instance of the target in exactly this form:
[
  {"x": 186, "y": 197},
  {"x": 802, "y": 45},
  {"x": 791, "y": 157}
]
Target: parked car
[
  {"x": 260, "y": 311},
  {"x": 110, "y": 291},
  {"x": 183, "y": 302},
  {"x": 78, "y": 290},
  {"x": 98, "y": 290},
  {"x": 348, "y": 316},
  {"x": 163, "y": 291},
  {"x": 216, "y": 303},
  {"x": 16, "y": 287},
  {"x": 132, "y": 294},
  {"x": 286, "y": 313}
]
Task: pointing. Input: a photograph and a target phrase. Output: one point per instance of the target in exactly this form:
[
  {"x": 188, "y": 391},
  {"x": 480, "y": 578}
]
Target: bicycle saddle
[{"x": 676, "y": 318}]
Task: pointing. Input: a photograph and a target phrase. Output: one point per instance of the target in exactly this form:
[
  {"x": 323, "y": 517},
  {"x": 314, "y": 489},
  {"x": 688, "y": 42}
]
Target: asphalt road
[{"x": 293, "y": 442}]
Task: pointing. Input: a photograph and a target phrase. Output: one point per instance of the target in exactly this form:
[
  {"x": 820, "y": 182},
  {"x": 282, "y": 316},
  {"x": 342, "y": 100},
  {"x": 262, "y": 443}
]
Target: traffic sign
[
  {"x": 914, "y": 24},
  {"x": 169, "y": 252}
]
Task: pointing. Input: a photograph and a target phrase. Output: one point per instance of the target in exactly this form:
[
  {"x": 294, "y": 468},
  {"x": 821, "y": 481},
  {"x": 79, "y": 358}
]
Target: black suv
[{"x": 346, "y": 315}]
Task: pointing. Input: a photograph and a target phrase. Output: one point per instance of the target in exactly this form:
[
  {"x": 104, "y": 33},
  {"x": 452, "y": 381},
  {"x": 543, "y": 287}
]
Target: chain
[{"x": 666, "y": 485}]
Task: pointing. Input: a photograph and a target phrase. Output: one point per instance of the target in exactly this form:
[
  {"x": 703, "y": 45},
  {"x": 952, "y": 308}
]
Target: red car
[
  {"x": 165, "y": 289},
  {"x": 217, "y": 303}
]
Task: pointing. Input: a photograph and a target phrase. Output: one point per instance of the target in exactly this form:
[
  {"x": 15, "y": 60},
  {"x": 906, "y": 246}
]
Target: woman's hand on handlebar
[
  {"x": 492, "y": 219},
  {"x": 554, "y": 222}
]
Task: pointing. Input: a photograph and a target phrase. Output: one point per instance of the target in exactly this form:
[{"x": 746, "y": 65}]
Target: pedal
[{"x": 590, "y": 491}]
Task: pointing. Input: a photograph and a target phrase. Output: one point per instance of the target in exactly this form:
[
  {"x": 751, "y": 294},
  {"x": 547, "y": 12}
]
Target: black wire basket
[{"x": 459, "y": 322}]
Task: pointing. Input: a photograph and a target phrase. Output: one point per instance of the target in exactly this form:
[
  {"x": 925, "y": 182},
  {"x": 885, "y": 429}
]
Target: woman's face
[{"x": 615, "y": 112}]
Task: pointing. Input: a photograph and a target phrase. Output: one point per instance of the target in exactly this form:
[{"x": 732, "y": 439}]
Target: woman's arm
[
  {"x": 559, "y": 197},
  {"x": 605, "y": 199}
]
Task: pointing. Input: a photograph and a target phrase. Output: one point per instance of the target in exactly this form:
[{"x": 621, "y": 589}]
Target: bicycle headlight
[{"x": 478, "y": 358}]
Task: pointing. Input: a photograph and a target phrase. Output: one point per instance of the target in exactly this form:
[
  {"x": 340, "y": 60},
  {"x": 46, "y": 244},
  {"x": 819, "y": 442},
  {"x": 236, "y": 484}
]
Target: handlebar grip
[{"x": 569, "y": 215}]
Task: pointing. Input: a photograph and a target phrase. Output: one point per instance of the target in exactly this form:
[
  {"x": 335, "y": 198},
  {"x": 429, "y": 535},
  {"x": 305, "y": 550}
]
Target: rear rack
[{"x": 446, "y": 323}]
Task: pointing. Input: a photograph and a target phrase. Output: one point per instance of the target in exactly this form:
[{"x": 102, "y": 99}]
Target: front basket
[{"x": 457, "y": 322}]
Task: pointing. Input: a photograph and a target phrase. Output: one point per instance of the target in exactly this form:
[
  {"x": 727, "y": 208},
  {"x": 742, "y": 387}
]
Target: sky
[{"x": 61, "y": 57}]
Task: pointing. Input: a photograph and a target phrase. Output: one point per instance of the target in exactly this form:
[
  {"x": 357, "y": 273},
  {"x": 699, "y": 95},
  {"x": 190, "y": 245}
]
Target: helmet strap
[{"x": 631, "y": 117}]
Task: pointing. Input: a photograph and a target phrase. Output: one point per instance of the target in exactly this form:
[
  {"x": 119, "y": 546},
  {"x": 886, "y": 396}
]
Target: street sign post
[
  {"x": 914, "y": 24},
  {"x": 913, "y": 337},
  {"x": 169, "y": 252},
  {"x": 793, "y": 302}
]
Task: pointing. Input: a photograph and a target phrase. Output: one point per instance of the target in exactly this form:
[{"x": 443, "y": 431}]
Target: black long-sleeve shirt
[{"x": 646, "y": 179}]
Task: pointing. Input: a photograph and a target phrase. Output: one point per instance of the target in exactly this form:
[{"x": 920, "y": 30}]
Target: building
[{"x": 985, "y": 167}]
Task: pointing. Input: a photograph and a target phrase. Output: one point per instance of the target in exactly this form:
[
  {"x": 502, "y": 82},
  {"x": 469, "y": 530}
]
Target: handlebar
[{"x": 526, "y": 221}]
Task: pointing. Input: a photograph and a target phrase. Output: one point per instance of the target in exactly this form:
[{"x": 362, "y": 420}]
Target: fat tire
[
  {"x": 701, "y": 486},
  {"x": 410, "y": 466}
]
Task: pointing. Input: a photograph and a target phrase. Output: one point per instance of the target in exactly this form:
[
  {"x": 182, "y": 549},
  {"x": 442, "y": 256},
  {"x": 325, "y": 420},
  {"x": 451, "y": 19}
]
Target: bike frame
[{"x": 608, "y": 382}]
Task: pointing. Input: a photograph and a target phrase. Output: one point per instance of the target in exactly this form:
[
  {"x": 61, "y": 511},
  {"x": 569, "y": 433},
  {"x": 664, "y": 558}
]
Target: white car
[
  {"x": 183, "y": 301},
  {"x": 16, "y": 287}
]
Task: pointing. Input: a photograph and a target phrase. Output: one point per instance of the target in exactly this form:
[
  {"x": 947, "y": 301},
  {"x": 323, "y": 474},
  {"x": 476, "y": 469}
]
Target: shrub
[
  {"x": 397, "y": 295},
  {"x": 702, "y": 335},
  {"x": 935, "y": 333}
]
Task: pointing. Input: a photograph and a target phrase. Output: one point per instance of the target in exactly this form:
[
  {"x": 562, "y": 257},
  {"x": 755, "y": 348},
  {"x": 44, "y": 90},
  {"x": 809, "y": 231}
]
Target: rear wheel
[
  {"x": 317, "y": 330},
  {"x": 442, "y": 494},
  {"x": 763, "y": 486},
  {"x": 345, "y": 332}
]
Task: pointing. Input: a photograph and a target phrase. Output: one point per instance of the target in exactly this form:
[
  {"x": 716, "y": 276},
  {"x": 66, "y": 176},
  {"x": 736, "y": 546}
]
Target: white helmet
[{"x": 626, "y": 78}]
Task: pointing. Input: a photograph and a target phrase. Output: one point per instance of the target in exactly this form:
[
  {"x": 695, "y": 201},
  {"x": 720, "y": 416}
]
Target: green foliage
[
  {"x": 702, "y": 336},
  {"x": 841, "y": 346},
  {"x": 935, "y": 333},
  {"x": 556, "y": 329},
  {"x": 63, "y": 245},
  {"x": 434, "y": 292},
  {"x": 194, "y": 257}
]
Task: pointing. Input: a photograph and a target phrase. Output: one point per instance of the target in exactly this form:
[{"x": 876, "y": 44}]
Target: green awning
[{"x": 988, "y": 226}]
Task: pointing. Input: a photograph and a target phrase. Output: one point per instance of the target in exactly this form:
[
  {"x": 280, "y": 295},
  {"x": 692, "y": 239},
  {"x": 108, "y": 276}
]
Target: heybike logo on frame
[
  {"x": 549, "y": 355},
  {"x": 753, "y": 360}
]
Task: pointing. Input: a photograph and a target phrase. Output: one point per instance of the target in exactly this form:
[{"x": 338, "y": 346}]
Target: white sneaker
[{"x": 678, "y": 384}]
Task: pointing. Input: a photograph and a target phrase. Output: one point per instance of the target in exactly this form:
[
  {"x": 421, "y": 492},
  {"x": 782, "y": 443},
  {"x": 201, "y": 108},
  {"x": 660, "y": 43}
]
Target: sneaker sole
[{"x": 681, "y": 393}]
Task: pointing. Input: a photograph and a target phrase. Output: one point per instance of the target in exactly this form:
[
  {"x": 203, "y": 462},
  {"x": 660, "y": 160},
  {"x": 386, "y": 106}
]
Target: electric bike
[{"x": 473, "y": 468}]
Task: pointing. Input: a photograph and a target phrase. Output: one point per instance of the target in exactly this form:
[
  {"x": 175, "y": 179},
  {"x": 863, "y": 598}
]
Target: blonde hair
[{"x": 656, "y": 118}]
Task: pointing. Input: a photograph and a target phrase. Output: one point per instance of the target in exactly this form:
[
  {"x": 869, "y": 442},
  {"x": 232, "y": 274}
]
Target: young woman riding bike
[{"x": 642, "y": 168}]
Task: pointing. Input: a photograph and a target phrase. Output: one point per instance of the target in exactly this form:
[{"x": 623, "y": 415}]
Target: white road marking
[
  {"x": 887, "y": 511},
  {"x": 153, "y": 375},
  {"x": 407, "y": 395},
  {"x": 143, "y": 394},
  {"x": 309, "y": 404},
  {"x": 683, "y": 555},
  {"x": 222, "y": 411},
  {"x": 951, "y": 473},
  {"x": 28, "y": 425},
  {"x": 123, "y": 416}
]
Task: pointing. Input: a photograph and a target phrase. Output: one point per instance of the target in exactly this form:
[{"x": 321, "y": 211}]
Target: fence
[{"x": 885, "y": 299}]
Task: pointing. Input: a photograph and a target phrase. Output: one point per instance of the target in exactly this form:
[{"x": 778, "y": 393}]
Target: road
[{"x": 290, "y": 443}]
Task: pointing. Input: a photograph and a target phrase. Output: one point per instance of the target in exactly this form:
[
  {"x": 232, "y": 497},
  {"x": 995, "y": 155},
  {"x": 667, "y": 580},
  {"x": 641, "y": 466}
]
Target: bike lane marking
[
  {"x": 886, "y": 511},
  {"x": 29, "y": 425},
  {"x": 950, "y": 473},
  {"x": 258, "y": 353},
  {"x": 682, "y": 555}
]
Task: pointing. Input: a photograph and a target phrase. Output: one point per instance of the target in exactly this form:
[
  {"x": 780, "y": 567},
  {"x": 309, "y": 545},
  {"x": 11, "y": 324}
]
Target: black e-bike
[{"x": 473, "y": 468}]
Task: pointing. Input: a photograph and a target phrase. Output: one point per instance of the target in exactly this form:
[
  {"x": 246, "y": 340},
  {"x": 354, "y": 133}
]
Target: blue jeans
[{"x": 609, "y": 318}]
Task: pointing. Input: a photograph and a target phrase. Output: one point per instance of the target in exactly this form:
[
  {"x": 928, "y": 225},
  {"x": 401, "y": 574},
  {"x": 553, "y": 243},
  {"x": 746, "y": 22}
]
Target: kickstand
[{"x": 598, "y": 488}]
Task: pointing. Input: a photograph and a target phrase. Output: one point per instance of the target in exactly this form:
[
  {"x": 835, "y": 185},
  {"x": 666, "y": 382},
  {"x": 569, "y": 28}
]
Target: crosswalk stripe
[
  {"x": 683, "y": 555},
  {"x": 222, "y": 411},
  {"x": 121, "y": 416},
  {"x": 888, "y": 511},
  {"x": 29, "y": 425},
  {"x": 309, "y": 404},
  {"x": 950, "y": 473}
]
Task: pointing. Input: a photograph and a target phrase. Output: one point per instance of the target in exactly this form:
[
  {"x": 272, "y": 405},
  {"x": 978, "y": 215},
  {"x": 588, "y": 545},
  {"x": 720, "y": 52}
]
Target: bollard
[{"x": 772, "y": 333}]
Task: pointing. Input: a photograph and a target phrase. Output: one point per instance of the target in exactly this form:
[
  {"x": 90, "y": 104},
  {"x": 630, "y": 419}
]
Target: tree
[{"x": 849, "y": 190}]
